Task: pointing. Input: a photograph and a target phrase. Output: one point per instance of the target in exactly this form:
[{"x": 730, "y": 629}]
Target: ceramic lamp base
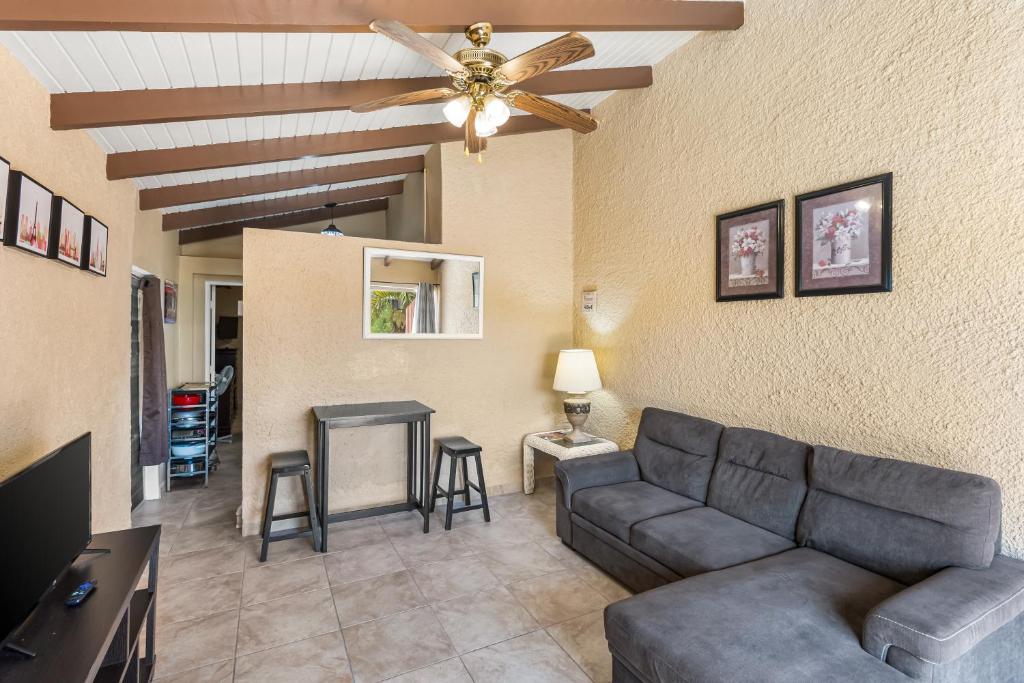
[{"x": 577, "y": 410}]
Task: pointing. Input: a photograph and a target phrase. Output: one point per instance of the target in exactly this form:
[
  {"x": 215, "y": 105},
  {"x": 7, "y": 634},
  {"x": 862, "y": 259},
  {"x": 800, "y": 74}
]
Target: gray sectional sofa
[{"x": 760, "y": 558}]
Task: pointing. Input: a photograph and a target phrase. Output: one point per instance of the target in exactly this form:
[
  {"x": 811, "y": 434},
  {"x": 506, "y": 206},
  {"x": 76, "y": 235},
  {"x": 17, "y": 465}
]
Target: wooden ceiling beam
[
  {"x": 179, "y": 159},
  {"x": 193, "y": 193},
  {"x": 287, "y": 220},
  {"x": 131, "y": 107},
  {"x": 247, "y": 210},
  {"x": 354, "y": 16}
]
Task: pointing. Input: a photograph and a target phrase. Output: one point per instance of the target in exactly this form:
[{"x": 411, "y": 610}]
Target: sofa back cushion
[
  {"x": 676, "y": 451},
  {"x": 899, "y": 519},
  {"x": 760, "y": 478}
]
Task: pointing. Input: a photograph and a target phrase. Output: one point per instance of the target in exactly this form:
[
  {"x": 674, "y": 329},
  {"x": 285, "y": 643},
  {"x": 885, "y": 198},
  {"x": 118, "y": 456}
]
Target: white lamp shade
[{"x": 577, "y": 371}]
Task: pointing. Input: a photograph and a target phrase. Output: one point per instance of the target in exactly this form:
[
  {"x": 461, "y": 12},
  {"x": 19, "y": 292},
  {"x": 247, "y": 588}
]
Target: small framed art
[
  {"x": 170, "y": 302},
  {"x": 96, "y": 238},
  {"x": 67, "y": 233},
  {"x": 749, "y": 253},
  {"x": 29, "y": 210},
  {"x": 844, "y": 238}
]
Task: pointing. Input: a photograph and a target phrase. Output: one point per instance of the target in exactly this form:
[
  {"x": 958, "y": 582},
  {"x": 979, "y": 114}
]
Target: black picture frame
[
  {"x": 5, "y": 184},
  {"x": 56, "y": 227},
  {"x": 96, "y": 231},
  {"x": 775, "y": 213},
  {"x": 15, "y": 195},
  {"x": 877, "y": 277}
]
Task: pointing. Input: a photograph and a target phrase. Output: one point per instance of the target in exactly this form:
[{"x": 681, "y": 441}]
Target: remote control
[{"x": 78, "y": 596}]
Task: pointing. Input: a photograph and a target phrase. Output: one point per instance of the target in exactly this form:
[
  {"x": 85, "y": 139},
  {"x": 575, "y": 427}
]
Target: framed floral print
[
  {"x": 844, "y": 238},
  {"x": 96, "y": 239},
  {"x": 29, "y": 210},
  {"x": 67, "y": 233},
  {"x": 749, "y": 253}
]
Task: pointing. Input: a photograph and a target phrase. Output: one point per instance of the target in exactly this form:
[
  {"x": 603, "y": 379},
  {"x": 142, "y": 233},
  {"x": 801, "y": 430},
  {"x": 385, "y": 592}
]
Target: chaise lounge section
[{"x": 760, "y": 558}]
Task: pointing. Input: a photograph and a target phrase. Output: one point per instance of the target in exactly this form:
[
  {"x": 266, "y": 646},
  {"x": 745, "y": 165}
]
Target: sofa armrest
[
  {"x": 943, "y": 617},
  {"x": 595, "y": 470}
]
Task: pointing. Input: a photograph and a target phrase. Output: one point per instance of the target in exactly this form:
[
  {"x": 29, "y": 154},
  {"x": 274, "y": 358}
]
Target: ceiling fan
[{"x": 480, "y": 96}]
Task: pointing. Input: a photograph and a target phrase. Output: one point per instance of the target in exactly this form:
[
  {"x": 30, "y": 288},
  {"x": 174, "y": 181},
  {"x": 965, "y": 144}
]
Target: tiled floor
[{"x": 504, "y": 601}]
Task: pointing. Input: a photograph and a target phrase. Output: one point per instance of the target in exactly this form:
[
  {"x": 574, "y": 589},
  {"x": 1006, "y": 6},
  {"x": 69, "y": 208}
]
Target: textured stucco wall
[
  {"x": 65, "y": 334},
  {"x": 407, "y": 211},
  {"x": 304, "y": 344},
  {"x": 807, "y": 95}
]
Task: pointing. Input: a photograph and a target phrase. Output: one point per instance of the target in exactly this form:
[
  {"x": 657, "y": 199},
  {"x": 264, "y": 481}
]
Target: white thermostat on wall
[{"x": 589, "y": 302}]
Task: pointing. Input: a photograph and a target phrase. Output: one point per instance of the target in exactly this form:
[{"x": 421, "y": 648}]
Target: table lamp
[{"x": 576, "y": 374}]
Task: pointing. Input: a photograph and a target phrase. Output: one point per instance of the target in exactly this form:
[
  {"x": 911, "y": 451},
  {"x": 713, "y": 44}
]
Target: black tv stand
[{"x": 99, "y": 640}]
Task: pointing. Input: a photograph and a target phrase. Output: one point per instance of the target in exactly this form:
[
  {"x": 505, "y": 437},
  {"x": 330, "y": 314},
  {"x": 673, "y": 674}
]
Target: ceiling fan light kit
[{"x": 480, "y": 100}]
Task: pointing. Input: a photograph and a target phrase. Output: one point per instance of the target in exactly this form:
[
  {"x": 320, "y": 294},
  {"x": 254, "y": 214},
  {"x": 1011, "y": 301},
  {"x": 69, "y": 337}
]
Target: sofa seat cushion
[
  {"x": 618, "y": 507},
  {"x": 704, "y": 539},
  {"x": 795, "y": 616}
]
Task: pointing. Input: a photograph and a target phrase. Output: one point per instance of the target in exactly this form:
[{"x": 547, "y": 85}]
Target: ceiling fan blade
[
  {"x": 415, "y": 97},
  {"x": 474, "y": 143},
  {"x": 400, "y": 33},
  {"x": 572, "y": 47},
  {"x": 553, "y": 111}
]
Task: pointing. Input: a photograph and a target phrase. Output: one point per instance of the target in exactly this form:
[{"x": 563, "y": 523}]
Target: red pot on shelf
[{"x": 186, "y": 399}]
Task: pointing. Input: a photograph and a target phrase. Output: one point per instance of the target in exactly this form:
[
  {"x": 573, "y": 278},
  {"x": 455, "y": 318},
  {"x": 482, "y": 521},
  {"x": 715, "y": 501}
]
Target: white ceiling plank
[
  {"x": 273, "y": 58},
  {"x": 201, "y": 60},
  {"x": 173, "y": 59},
  {"x": 296, "y": 53},
  {"x": 250, "y": 57},
  {"x": 224, "y": 47}
]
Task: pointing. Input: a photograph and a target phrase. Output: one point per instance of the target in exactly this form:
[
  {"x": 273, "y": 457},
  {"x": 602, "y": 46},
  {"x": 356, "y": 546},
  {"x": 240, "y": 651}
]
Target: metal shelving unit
[{"x": 188, "y": 427}]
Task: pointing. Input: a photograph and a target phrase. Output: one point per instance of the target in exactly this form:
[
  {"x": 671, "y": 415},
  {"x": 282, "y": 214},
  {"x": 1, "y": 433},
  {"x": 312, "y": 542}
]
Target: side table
[{"x": 537, "y": 442}]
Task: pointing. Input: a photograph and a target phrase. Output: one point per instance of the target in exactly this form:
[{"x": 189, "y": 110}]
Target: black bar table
[{"x": 412, "y": 413}]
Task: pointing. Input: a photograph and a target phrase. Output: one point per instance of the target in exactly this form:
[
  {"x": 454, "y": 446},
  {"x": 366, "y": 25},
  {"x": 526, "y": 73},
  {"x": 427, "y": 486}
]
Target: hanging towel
[{"x": 153, "y": 439}]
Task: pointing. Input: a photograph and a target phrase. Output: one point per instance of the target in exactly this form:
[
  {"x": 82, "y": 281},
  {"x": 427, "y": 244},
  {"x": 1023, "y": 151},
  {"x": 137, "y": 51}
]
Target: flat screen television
[{"x": 45, "y": 524}]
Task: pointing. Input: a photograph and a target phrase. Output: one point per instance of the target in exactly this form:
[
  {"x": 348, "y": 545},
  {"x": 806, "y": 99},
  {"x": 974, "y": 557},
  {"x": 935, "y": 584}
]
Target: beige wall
[
  {"x": 304, "y": 342},
  {"x": 457, "y": 313},
  {"x": 406, "y": 212},
  {"x": 66, "y": 333},
  {"x": 807, "y": 95},
  {"x": 193, "y": 273},
  {"x": 403, "y": 271}
]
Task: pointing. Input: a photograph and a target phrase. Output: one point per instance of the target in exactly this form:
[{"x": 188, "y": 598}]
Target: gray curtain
[
  {"x": 425, "y": 318},
  {"x": 153, "y": 442}
]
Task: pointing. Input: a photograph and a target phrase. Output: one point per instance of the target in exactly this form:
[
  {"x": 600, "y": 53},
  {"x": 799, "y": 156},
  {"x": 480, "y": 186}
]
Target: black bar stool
[
  {"x": 290, "y": 464},
  {"x": 459, "y": 449}
]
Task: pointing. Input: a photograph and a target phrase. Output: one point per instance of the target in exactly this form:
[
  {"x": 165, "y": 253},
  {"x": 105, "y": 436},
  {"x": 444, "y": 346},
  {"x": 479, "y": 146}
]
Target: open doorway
[{"x": 224, "y": 353}]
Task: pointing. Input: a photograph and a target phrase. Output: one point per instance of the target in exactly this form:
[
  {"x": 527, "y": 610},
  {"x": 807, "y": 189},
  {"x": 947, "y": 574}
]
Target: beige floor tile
[
  {"x": 191, "y": 539},
  {"x": 221, "y": 672},
  {"x": 267, "y": 583},
  {"x": 424, "y": 548},
  {"x": 191, "y": 644},
  {"x": 198, "y": 598},
  {"x": 563, "y": 553},
  {"x": 356, "y": 533},
  {"x": 167, "y": 536},
  {"x": 393, "y": 645},
  {"x": 604, "y": 584},
  {"x": 558, "y": 597},
  {"x": 286, "y": 620},
  {"x": 440, "y": 581},
  {"x": 448, "y": 671},
  {"x": 220, "y": 513},
  {"x": 378, "y": 597},
  {"x": 497, "y": 534},
  {"x": 201, "y": 565},
  {"x": 279, "y": 551},
  {"x": 522, "y": 561},
  {"x": 321, "y": 659},
  {"x": 534, "y": 657},
  {"x": 407, "y": 524},
  {"x": 483, "y": 618},
  {"x": 583, "y": 639},
  {"x": 363, "y": 562}
]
